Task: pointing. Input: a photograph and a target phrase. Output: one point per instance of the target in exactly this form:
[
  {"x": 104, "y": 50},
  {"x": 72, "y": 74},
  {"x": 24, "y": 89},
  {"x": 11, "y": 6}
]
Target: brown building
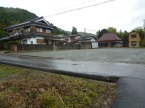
[
  {"x": 134, "y": 39},
  {"x": 110, "y": 40}
]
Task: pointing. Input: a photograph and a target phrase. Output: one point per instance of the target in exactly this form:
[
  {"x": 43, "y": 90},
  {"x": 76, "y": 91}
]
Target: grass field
[{"x": 26, "y": 88}]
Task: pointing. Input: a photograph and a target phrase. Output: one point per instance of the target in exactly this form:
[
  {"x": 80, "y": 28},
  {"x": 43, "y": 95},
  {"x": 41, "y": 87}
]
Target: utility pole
[
  {"x": 84, "y": 31},
  {"x": 144, "y": 29}
]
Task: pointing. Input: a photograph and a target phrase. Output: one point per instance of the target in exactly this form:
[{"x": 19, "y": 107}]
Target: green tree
[
  {"x": 74, "y": 31},
  {"x": 97, "y": 34},
  {"x": 112, "y": 30},
  {"x": 140, "y": 31},
  {"x": 58, "y": 31},
  {"x": 142, "y": 34},
  {"x": 100, "y": 33}
]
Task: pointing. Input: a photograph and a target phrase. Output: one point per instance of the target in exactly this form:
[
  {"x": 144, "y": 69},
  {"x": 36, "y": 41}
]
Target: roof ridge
[{"x": 34, "y": 19}]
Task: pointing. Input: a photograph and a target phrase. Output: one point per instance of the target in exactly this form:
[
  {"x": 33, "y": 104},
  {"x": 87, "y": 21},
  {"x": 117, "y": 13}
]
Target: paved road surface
[
  {"x": 117, "y": 55},
  {"x": 131, "y": 77}
]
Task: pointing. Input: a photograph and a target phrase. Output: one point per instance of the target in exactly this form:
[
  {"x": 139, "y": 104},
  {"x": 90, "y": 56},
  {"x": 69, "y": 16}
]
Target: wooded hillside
[{"x": 10, "y": 16}]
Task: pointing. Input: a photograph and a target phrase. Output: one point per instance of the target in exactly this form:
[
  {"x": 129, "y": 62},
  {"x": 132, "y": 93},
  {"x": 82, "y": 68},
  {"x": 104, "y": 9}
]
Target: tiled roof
[
  {"x": 109, "y": 37},
  {"x": 85, "y": 39},
  {"x": 36, "y": 20}
]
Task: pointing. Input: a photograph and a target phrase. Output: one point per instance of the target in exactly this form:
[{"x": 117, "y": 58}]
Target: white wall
[
  {"x": 32, "y": 39},
  {"x": 94, "y": 44}
]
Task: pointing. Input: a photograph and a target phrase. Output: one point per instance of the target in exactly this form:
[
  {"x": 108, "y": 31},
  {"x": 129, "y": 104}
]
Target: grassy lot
[{"x": 25, "y": 88}]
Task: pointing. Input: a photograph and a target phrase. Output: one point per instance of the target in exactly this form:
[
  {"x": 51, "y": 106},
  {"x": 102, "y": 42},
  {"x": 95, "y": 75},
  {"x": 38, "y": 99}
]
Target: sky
[{"x": 100, "y": 14}]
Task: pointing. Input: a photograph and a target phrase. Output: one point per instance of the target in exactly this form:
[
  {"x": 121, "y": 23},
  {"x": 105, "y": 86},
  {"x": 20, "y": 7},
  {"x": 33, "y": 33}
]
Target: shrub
[{"x": 12, "y": 42}]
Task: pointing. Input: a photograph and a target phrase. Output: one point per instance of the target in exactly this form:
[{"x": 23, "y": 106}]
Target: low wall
[
  {"x": 67, "y": 46},
  {"x": 29, "y": 47}
]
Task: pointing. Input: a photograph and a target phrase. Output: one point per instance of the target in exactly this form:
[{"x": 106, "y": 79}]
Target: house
[
  {"x": 73, "y": 38},
  {"x": 110, "y": 40},
  {"x": 134, "y": 39},
  {"x": 63, "y": 39},
  {"x": 34, "y": 31},
  {"x": 88, "y": 39}
]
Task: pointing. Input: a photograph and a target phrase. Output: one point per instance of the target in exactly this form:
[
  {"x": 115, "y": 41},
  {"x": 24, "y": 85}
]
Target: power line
[
  {"x": 79, "y": 8},
  {"x": 71, "y": 6}
]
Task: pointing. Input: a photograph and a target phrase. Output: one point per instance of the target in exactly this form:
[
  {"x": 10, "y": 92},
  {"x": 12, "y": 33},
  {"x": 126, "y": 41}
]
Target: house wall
[
  {"x": 77, "y": 37},
  {"x": 44, "y": 30},
  {"x": 32, "y": 29},
  {"x": 137, "y": 39},
  {"x": 32, "y": 40}
]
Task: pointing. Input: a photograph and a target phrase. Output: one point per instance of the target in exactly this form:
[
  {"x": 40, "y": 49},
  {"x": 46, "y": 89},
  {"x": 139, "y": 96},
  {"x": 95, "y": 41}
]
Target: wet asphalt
[{"x": 129, "y": 75}]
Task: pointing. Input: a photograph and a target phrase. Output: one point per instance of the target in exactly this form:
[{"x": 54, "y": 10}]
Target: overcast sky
[{"x": 121, "y": 14}]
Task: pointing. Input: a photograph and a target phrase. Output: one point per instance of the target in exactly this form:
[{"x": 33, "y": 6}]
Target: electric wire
[
  {"x": 79, "y": 8},
  {"x": 71, "y": 6}
]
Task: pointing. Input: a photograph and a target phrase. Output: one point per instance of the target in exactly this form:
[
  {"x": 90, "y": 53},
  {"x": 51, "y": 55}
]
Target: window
[
  {"x": 39, "y": 30},
  {"x": 48, "y": 31},
  {"x": 40, "y": 41},
  {"x": 24, "y": 41},
  {"x": 133, "y": 43},
  {"x": 133, "y": 36},
  {"x": 27, "y": 29}
]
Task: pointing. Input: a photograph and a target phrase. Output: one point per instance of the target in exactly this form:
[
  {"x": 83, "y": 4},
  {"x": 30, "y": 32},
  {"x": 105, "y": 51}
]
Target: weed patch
[{"x": 35, "y": 89}]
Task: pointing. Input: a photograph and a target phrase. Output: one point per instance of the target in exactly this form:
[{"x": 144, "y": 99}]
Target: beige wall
[{"x": 134, "y": 40}]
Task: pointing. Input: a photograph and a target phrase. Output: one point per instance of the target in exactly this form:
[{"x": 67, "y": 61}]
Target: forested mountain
[{"x": 10, "y": 16}]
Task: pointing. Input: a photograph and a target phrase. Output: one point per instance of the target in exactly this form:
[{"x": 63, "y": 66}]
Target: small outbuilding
[
  {"x": 88, "y": 39},
  {"x": 110, "y": 40}
]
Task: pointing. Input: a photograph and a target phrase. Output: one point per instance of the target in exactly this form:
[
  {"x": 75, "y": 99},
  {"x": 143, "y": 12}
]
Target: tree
[
  {"x": 10, "y": 16},
  {"x": 141, "y": 33},
  {"x": 74, "y": 31},
  {"x": 100, "y": 33},
  {"x": 125, "y": 38},
  {"x": 97, "y": 34},
  {"x": 58, "y": 31},
  {"x": 112, "y": 30}
]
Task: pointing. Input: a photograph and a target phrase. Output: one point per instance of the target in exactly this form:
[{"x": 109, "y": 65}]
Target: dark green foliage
[
  {"x": 11, "y": 16},
  {"x": 74, "y": 31},
  {"x": 100, "y": 33},
  {"x": 58, "y": 31},
  {"x": 142, "y": 35},
  {"x": 12, "y": 42}
]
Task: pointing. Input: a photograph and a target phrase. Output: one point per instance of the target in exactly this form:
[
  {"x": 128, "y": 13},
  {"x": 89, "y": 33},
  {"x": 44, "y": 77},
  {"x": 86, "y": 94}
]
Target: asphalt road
[{"x": 130, "y": 76}]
